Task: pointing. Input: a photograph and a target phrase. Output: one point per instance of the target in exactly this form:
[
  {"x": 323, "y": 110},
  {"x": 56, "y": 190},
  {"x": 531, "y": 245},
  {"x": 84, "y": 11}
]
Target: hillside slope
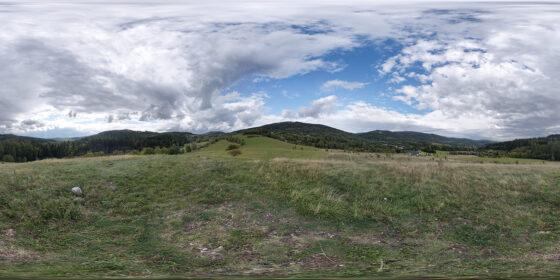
[
  {"x": 316, "y": 135},
  {"x": 260, "y": 147},
  {"x": 323, "y": 136}
]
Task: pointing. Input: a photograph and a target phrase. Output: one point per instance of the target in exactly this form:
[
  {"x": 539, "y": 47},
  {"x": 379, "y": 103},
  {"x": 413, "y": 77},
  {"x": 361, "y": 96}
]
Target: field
[
  {"x": 279, "y": 211},
  {"x": 258, "y": 147}
]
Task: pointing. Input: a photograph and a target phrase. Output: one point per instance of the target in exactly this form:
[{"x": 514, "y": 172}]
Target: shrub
[
  {"x": 235, "y": 152},
  {"x": 8, "y": 158},
  {"x": 232, "y": 147},
  {"x": 148, "y": 151},
  {"x": 187, "y": 148},
  {"x": 174, "y": 150}
]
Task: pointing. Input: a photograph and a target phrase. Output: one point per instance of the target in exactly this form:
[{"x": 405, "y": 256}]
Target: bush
[
  {"x": 8, "y": 158},
  {"x": 174, "y": 150},
  {"x": 187, "y": 148},
  {"x": 232, "y": 147},
  {"x": 148, "y": 151},
  {"x": 235, "y": 152},
  {"x": 58, "y": 209}
]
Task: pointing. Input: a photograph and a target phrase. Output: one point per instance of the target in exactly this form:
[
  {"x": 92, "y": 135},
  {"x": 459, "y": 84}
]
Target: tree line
[
  {"x": 545, "y": 148},
  {"x": 113, "y": 142}
]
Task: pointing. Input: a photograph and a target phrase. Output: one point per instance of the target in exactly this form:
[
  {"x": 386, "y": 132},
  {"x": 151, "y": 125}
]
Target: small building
[{"x": 414, "y": 153}]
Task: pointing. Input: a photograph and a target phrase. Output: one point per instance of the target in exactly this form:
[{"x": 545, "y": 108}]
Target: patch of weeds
[
  {"x": 213, "y": 194},
  {"x": 240, "y": 239},
  {"x": 331, "y": 247},
  {"x": 156, "y": 252},
  {"x": 370, "y": 254},
  {"x": 482, "y": 235},
  {"x": 256, "y": 206},
  {"x": 207, "y": 216},
  {"x": 188, "y": 219},
  {"x": 220, "y": 168},
  {"x": 273, "y": 253}
]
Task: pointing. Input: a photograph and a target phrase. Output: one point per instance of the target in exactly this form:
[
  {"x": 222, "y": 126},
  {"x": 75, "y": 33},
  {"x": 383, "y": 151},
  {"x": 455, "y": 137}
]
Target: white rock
[{"x": 77, "y": 190}]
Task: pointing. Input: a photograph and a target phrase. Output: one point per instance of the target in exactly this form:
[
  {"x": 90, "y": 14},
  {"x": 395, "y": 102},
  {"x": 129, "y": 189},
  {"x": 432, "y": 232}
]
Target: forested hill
[
  {"x": 546, "y": 148},
  {"x": 123, "y": 140},
  {"x": 32, "y": 140},
  {"x": 316, "y": 135},
  {"x": 419, "y": 139},
  {"x": 21, "y": 149},
  {"x": 323, "y": 136}
]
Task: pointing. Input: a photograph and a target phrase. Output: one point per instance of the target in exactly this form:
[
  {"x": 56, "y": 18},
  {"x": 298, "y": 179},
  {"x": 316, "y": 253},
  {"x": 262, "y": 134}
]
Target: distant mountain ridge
[
  {"x": 295, "y": 132},
  {"x": 327, "y": 137},
  {"x": 412, "y": 137},
  {"x": 32, "y": 140}
]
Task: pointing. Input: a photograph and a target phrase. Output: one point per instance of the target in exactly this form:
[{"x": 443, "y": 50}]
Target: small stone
[{"x": 77, "y": 191}]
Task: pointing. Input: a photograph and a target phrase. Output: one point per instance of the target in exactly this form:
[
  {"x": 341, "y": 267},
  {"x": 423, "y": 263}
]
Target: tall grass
[{"x": 194, "y": 214}]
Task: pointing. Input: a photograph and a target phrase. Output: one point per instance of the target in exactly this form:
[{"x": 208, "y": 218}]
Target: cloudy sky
[{"x": 474, "y": 69}]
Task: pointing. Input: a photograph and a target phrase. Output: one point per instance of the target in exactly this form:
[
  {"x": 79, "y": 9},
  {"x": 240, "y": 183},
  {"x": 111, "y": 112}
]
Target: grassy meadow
[
  {"x": 258, "y": 147},
  {"x": 278, "y": 210}
]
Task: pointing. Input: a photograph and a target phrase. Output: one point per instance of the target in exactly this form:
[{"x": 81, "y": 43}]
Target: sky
[{"x": 482, "y": 70}]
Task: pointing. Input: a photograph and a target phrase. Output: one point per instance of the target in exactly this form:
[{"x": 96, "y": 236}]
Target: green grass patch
[
  {"x": 205, "y": 214},
  {"x": 260, "y": 147}
]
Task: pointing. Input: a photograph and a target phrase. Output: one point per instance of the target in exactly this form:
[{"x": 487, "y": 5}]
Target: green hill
[
  {"x": 322, "y": 136},
  {"x": 261, "y": 147},
  {"x": 316, "y": 135}
]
